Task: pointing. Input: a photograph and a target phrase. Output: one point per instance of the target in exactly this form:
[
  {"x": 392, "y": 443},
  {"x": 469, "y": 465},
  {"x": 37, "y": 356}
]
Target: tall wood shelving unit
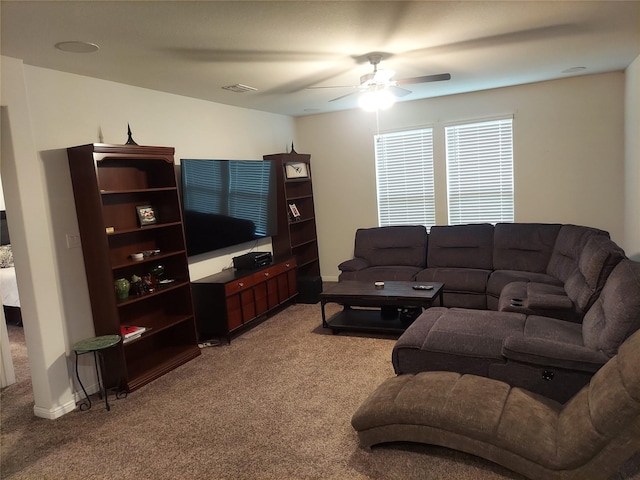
[
  {"x": 297, "y": 238},
  {"x": 109, "y": 181}
]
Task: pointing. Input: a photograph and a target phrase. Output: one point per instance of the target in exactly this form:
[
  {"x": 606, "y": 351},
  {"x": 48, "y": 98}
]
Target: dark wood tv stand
[{"x": 232, "y": 301}]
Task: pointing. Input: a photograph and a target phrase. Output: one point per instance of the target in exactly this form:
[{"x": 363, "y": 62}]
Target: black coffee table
[{"x": 362, "y": 294}]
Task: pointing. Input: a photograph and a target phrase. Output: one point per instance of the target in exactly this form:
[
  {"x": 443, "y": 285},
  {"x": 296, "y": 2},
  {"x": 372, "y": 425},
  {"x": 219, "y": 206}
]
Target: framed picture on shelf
[
  {"x": 146, "y": 215},
  {"x": 294, "y": 213},
  {"x": 296, "y": 170}
]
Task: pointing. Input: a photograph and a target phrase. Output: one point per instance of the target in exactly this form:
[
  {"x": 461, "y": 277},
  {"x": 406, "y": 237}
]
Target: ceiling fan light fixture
[
  {"x": 374, "y": 100},
  {"x": 384, "y": 76},
  {"x": 377, "y": 78}
]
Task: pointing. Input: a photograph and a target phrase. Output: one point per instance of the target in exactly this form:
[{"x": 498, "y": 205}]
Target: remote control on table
[{"x": 423, "y": 287}]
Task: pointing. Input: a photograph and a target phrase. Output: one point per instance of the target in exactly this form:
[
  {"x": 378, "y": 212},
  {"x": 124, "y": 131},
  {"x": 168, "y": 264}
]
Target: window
[
  {"x": 480, "y": 172},
  {"x": 404, "y": 176}
]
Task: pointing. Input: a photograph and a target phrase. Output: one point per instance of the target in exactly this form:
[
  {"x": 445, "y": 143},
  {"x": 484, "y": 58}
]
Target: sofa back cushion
[
  {"x": 568, "y": 248},
  {"x": 524, "y": 246},
  {"x": 616, "y": 312},
  {"x": 596, "y": 262},
  {"x": 398, "y": 245},
  {"x": 461, "y": 246}
]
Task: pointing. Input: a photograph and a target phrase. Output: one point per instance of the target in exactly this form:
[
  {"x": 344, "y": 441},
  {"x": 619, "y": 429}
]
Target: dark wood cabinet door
[
  {"x": 248, "y": 306},
  {"x": 234, "y": 312}
]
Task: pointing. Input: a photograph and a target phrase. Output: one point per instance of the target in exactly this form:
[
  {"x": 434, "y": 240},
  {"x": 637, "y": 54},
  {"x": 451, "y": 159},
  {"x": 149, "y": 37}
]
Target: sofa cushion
[
  {"x": 597, "y": 260},
  {"x": 461, "y": 246},
  {"x": 616, "y": 313},
  {"x": 553, "y": 329},
  {"x": 445, "y": 339},
  {"x": 549, "y": 353},
  {"x": 568, "y": 248},
  {"x": 438, "y": 399},
  {"x": 384, "y": 273},
  {"x": 463, "y": 280},
  {"x": 524, "y": 246},
  {"x": 554, "y": 343},
  {"x": 528, "y": 427},
  {"x": 472, "y": 333},
  {"x": 404, "y": 245}
]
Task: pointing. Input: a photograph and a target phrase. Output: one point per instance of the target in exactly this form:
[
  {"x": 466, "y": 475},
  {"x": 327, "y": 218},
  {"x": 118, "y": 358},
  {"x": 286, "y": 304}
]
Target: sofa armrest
[
  {"x": 547, "y": 297},
  {"x": 550, "y": 302},
  {"x": 353, "y": 265},
  {"x": 551, "y": 353}
]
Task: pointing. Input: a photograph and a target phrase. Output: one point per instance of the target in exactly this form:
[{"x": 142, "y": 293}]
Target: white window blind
[
  {"x": 404, "y": 175},
  {"x": 480, "y": 172}
]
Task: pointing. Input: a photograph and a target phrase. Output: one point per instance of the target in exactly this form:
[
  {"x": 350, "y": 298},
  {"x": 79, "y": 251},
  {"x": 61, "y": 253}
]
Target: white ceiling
[{"x": 282, "y": 48}]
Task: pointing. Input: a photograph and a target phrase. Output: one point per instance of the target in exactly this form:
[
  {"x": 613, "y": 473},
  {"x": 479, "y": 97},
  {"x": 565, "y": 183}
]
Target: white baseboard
[{"x": 53, "y": 413}]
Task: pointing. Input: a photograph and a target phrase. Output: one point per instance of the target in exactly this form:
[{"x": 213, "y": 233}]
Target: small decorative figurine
[
  {"x": 137, "y": 287},
  {"x": 130, "y": 140}
]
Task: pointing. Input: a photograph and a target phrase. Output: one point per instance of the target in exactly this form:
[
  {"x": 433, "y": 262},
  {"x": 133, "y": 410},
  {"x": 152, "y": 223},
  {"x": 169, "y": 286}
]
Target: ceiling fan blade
[
  {"x": 399, "y": 92},
  {"x": 424, "y": 79},
  {"x": 342, "y": 96},
  {"x": 210, "y": 55},
  {"x": 334, "y": 86}
]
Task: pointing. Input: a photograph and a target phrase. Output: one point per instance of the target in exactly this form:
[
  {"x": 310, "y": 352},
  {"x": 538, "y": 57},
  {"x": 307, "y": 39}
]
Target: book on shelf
[{"x": 129, "y": 332}]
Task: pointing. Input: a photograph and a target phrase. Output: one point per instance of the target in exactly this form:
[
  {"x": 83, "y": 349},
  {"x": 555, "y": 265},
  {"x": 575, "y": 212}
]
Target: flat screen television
[{"x": 227, "y": 202}]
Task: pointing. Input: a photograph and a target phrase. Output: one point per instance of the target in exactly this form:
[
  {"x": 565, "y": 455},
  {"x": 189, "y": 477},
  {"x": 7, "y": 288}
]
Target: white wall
[
  {"x": 568, "y": 156},
  {"x": 2, "y": 206},
  {"x": 52, "y": 111},
  {"x": 632, "y": 161}
]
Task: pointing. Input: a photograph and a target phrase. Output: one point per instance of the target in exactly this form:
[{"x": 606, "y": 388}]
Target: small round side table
[{"x": 97, "y": 346}]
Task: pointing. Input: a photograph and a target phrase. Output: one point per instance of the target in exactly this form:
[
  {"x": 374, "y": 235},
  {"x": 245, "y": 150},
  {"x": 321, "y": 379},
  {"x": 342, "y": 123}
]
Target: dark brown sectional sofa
[{"x": 538, "y": 306}]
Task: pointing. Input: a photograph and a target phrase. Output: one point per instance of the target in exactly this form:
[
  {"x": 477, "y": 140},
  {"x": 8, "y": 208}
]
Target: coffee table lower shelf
[{"x": 363, "y": 320}]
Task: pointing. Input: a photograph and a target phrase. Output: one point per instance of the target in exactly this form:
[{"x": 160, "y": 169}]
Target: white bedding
[{"x": 9, "y": 287}]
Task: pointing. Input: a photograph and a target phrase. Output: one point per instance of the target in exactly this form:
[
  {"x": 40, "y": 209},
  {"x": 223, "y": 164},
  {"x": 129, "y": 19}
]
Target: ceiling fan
[{"x": 382, "y": 79}]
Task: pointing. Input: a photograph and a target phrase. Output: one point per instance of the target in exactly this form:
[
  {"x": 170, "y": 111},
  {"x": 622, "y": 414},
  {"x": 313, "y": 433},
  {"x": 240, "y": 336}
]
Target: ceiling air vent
[{"x": 239, "y": 88}]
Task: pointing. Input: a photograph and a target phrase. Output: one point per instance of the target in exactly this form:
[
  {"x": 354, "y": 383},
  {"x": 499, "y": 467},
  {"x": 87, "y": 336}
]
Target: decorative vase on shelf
[{"x": 122, "y": 288}]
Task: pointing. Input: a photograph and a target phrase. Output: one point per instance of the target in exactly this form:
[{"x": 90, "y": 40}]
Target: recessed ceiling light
[
  {"x": 77, "y": 47},
  {"x": 574, "y": 69}
]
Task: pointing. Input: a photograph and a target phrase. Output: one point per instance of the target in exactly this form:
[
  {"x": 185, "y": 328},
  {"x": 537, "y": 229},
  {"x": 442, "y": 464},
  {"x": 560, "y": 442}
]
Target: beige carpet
[{"x": 275, "y": 404}]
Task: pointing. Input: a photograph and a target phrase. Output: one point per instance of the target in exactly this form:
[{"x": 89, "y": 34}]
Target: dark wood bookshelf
[
  {"x": 109, "y": 181},
  {"x": 297, "y": 238}
]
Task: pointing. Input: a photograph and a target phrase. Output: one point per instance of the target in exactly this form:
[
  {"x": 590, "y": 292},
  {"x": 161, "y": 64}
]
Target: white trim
[
  {"x": 57, "y": 412},
  {"x": 469, "y": 121}
]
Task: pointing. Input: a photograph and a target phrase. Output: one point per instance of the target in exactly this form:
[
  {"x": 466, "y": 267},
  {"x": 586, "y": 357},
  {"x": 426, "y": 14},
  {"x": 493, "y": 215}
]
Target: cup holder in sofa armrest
[
  {"x": 551, "y": 353},
  {"x": 353, "y": 265}
]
